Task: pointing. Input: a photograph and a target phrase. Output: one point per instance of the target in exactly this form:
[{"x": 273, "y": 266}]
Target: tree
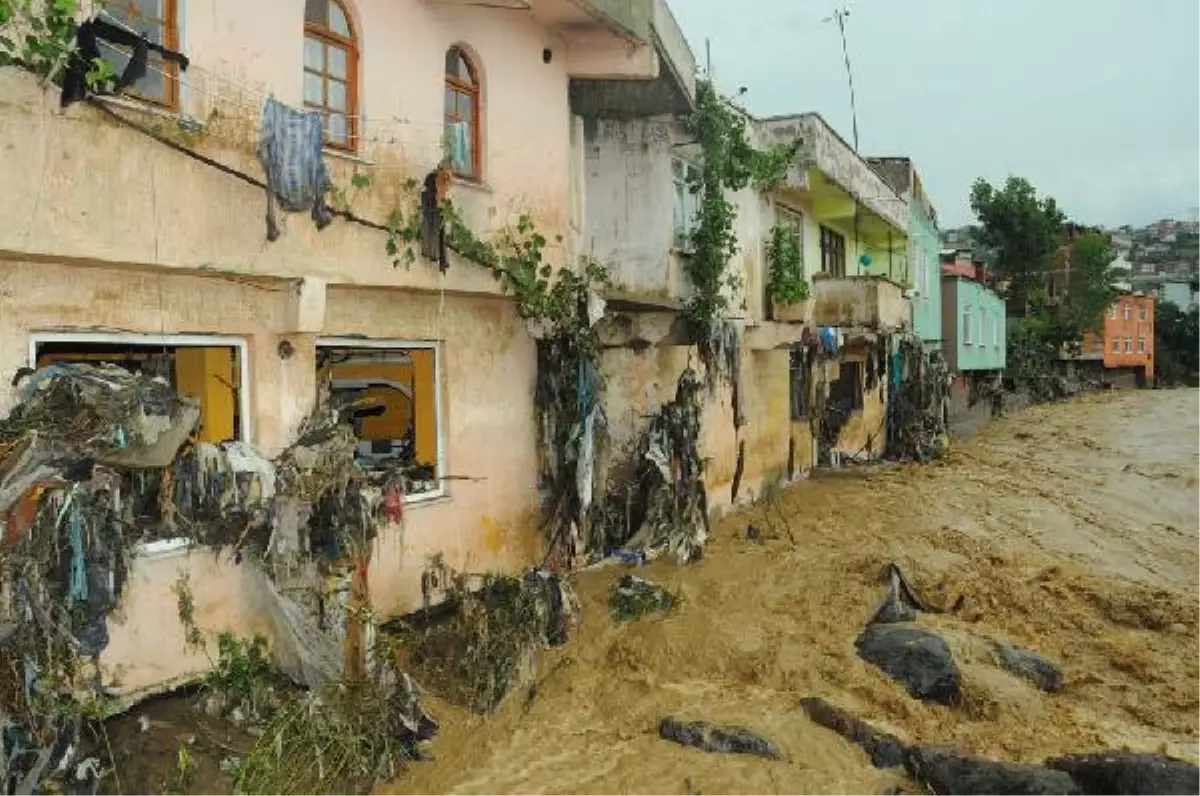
[
  {"x": 1089, "y": 288},
  {"x": 1021, "y": 230},
  {"x": 1176, "y": 343}
]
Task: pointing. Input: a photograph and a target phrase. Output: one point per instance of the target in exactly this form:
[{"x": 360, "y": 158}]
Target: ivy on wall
[
  {"x": 730, "y": 163},
  {"x": 40, "y": 35},
  {"x": 785, "y": 274}
]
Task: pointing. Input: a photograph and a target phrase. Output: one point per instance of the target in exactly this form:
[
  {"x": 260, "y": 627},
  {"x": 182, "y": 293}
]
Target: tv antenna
[{"x": 839, "y": 16}]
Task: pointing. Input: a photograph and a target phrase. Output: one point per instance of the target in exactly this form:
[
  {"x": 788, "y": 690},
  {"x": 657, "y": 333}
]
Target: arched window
[
  {"x": 462, "y": 114},
  {"x": 331, "y": 70}
]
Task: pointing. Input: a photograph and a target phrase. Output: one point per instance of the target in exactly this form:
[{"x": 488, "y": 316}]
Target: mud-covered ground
[{"x": 1070, "y": 529}]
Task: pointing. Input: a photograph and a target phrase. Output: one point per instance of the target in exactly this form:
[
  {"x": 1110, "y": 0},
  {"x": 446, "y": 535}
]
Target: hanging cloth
[
  {"x": 290, "y": 153},
  {"x": 87, "y": 49}
]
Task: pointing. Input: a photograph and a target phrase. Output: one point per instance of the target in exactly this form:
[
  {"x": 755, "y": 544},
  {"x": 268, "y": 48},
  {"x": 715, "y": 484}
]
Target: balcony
[
  {"x": 868, "y": 302},
  {"x": 666, "y": 82},
  {"x": 832, "y": 176}
]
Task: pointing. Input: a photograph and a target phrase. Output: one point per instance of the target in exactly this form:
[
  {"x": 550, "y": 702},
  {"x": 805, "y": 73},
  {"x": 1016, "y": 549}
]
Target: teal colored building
[
  {"x": 973, "y": 326},
  {"x": 923, "y": 277}
]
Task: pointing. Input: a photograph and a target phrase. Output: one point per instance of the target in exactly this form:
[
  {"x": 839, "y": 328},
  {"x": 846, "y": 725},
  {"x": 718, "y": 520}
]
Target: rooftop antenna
[{"x": 839, "y": 16}]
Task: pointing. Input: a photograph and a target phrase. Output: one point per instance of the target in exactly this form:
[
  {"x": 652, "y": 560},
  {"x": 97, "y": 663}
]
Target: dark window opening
[
  {"x": 798, "y": 379},
  {"x": 209, "y": 374},
  {"x": 850, "y": 384},
  {"x": 833, "y": 253},
  {"x": 389, "y": 396}
]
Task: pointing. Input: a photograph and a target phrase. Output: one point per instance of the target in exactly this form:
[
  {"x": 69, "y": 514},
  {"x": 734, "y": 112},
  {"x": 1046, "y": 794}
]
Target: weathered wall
[
  {"x": 924, "y": 257},
  {"x": 872, "y": 302},
  {"x": 989, "y": 335},
  {"x": 630, "y": 203},
  {"x": 486, "y": 417}
]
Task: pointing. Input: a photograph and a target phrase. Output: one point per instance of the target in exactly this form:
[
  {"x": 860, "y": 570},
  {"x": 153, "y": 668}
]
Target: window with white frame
[
  {"x": 1128, "y": 345},
  {"x": 1116, "y": 345},
  {"x": 1126, "y": 308},
  {"x": 388, "y": 392},
  {"x": 211, "y": 369},
  {"x": 1141, "y": 345},
  {"x": 687, "y": 201},
  {"x": 967, "y": 322},
  {"x": 996, "y": 331}
]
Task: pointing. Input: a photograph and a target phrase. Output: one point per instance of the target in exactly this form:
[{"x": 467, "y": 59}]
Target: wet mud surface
[{"x": 1068, "y": 529}]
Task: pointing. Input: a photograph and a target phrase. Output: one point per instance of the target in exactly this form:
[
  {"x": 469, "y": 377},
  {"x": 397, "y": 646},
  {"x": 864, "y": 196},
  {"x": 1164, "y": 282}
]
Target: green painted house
[
  {"x": 921, "y": 273},
  {"x": 974, "y": 335}
]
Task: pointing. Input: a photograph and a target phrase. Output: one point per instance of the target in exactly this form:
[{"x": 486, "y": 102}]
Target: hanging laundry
[
  {"x": 87, "y": 40},
  {"x": 433, "y": 230},
  {"x": 290, "y": 152},
  {"x": 459, "y": 147}
]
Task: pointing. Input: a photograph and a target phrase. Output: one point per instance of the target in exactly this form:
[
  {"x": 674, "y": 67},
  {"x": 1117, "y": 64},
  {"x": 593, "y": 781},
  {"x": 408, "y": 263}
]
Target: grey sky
[{"x": 1096, "y": 102}]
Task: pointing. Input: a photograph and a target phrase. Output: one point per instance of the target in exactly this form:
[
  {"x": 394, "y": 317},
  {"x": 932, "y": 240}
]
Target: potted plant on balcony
[{"x": 787, "y": 291}]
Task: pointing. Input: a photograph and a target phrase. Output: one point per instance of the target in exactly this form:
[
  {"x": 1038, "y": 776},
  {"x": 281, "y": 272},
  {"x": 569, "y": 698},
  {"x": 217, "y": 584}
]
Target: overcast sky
[{"x": 1096, "y": 102}]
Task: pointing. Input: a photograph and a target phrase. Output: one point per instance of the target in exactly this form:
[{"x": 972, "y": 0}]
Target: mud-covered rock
[
  {"x": 713, "y": 738},
  {"x": 918, "y": 659},
  {"x": 1032, "y": 666},
  {"x": 1129, "y": 773},
  {"x": 948, "y": 771},
  {"x": 884, "y": 749}
]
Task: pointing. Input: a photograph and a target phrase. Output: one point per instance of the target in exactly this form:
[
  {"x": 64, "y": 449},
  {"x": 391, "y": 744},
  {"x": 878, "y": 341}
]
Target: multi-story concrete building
[
  {"x": 139, "y": 228},
  {"x": 923, "y": 278}
]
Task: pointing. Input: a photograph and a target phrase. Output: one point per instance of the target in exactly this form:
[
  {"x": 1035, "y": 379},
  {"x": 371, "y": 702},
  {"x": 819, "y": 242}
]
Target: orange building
[{"x": 1128, "y": 342}]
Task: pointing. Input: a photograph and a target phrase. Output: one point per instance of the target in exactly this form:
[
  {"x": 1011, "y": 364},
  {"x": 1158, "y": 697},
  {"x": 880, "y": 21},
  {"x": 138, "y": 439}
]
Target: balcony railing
[{"x": 869, "y": 302}]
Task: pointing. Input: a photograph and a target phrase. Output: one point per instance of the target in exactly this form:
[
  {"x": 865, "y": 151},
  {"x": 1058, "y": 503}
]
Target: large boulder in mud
[
  {"x": 918, "y": 659},
  {"x": 1032, "y": 666},
  {"x": 948, "y": 771},
  {"x": 713, "y": 738},
  {"x": 1129, "y": 773},
  {"x": 884, "y": 749}
]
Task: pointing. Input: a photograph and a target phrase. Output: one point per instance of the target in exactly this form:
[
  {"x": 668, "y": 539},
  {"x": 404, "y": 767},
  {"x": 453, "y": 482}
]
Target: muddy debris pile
[
  {"x": 482, "y": 642},
  {"x": 922, "y": 661},
  {"x": 718, "y": 738},
  {"x": 96, "y": 460},
  {"x": 948, "y": 771},
  {"x": 633, "y": 597}
]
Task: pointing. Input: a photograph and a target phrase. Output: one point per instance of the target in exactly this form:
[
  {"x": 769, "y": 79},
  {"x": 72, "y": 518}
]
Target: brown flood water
[{"x": 1070, "y": 529}]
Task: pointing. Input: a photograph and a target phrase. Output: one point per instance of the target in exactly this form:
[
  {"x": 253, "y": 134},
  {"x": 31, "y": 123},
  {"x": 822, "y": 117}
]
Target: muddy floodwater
[{"x": 1070, "y": 529}]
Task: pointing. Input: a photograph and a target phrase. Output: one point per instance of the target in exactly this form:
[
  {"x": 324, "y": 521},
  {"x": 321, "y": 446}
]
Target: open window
[
  {"x": 211, "y": 370},
  {"x": 798, "y": 381},
  {"x": 388, "y": 392}
]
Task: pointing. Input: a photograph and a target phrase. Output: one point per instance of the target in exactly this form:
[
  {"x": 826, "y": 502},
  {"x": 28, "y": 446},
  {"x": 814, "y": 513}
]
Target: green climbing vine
[
  {"x": 38, "y": 35},
  {"x": 785, "y": 274},
  {"x": 730, "y": 163}
]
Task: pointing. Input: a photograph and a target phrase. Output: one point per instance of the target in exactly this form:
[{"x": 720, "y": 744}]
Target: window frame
[
  {"x": 1116, "y": 345},
  {"x": 968, "y": 325},
  {"x": 832, "y": 254},
  {"x": 328, "y": 37},
  {"x": 1128, "y": 313},
  {"x": 475, "y": 91},
  {"x": 1141, "y": 346},
  {"x": 683, "y": 200},
  {"x": 1128, "y": 345},
  {"x": 442, "y": 491},
  {"x": 170, "y": 24},
  {"x": 1142, "y": 312},
  {"x": 246, "y": 426}
]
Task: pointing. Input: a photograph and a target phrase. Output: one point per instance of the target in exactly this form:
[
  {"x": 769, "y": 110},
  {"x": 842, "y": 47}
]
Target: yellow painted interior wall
[
  {"x": 399, "y": 412},
  {"x": 207, "y": 374}
]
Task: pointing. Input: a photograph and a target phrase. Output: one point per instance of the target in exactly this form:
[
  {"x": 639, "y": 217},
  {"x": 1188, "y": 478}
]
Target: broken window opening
[
  {"x": 850, "y": 384},
  {"x": 798, "y": 373},
  {"x": 210, "y": 374},
  {"x": 388, "y": 394}
]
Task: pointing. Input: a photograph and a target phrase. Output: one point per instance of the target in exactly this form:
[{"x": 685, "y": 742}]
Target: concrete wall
[
  {"x": 987, "y": 349},
  {"x": 630, "y": 201},
  {"x": 106, "y": 229},
  {"x": 923, "y": 247},
  {"x": 871, "y": 302}
]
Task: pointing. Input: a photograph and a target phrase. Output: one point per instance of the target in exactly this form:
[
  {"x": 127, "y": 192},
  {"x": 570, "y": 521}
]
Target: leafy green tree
[
  {"x": 1021, "y": 230},
  {"x": 1089, "y": 289},
  {"x": 1176, "y": 343}
]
